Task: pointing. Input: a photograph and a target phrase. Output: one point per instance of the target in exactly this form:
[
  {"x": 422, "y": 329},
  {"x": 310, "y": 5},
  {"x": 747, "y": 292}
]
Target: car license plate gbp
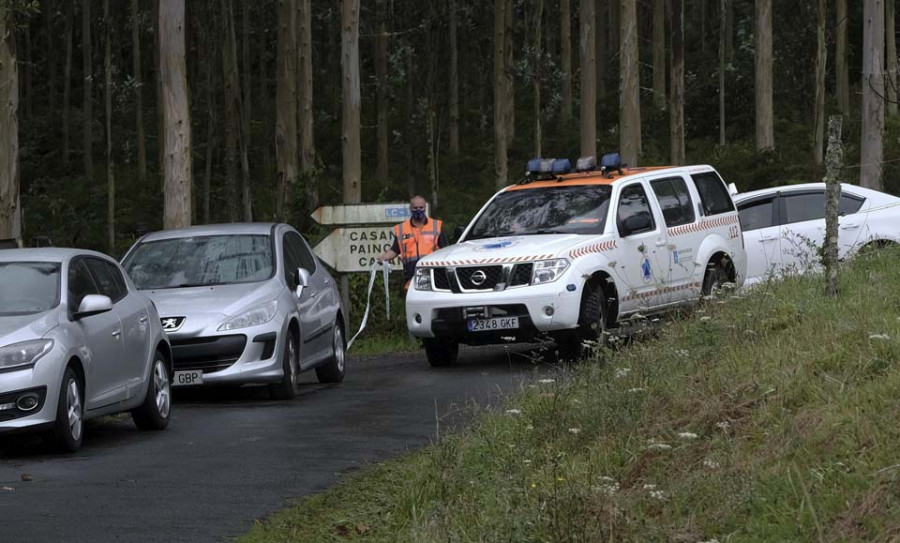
[
  {"x": 187, "y": 378},
  {"x": 496, "y": 323}
]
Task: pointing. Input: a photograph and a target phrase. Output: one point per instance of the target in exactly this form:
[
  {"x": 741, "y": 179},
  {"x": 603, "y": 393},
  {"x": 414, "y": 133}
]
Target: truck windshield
[
  {"x": 200, "y": 261},
  {"x": 578, "y": 209}
]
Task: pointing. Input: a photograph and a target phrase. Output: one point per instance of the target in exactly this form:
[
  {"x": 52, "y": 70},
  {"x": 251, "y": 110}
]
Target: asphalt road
[{"x": 231, "y": 456}]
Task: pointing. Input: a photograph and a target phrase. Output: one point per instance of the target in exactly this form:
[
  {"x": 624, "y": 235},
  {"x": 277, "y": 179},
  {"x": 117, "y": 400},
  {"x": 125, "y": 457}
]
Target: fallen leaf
[
  {"x": 361, "y": 529},
  {"x": 341, "y": 530},
  {"x": 26, "y": 477}
]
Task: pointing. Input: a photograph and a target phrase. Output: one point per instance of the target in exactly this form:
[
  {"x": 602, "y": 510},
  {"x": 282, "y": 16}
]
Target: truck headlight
[
  {"x": 260, "y": 314},
  {"x": 547, "y": 271},
  {"x": 422, "y": 279},
  {"x": 24, "y": 354}
]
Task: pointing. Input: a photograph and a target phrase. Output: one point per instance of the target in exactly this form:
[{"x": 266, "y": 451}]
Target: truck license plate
[
  {"x": 187, "y": 378},
  {"x": 496, "y": 323}
]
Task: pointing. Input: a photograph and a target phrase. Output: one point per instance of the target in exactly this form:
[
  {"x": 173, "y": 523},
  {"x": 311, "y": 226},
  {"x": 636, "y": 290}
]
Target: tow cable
[{"x": 386, "y": 270}]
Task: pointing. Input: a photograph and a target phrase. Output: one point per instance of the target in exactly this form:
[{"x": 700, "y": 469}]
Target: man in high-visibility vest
[{"x": 414, "y": 238}]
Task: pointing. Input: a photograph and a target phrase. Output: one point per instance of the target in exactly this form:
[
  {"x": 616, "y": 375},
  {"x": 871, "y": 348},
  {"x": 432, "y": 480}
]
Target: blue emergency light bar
[
  {"x": 561, "y": 166},
  {"x": 611, "y": 161}
]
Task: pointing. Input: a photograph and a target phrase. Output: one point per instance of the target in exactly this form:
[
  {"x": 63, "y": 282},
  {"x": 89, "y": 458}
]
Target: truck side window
[
  {"x": 633, "y": 203},
  {"x": 675, "y": 200},
  {"x": 713, "y": 194}
]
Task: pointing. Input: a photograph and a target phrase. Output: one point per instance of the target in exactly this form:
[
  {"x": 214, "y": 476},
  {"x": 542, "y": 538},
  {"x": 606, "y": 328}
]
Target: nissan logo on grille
[
  {"x": 171, "y": 324},
  {"x": 478, "y": 278}
]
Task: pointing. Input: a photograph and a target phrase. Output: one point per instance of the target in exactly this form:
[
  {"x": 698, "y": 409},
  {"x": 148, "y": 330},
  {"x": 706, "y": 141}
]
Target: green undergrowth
[{"x": 766, "y": 417}]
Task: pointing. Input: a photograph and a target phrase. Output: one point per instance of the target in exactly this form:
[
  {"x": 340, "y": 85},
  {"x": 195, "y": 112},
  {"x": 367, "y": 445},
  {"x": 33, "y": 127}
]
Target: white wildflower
[
  {"x": 657, "y": 494},
  {"x": 607, "y": 489},
  {"x": 575, "y": 431},
  {"x": 605, "y": 479},
  {"x": 529, "y": 427},
  {"x": 682, "y": 352},
  {"x": 659, "y": 446},
  {"x": 879, "y": 336},
  {"x": 622, "y": 372},
  {"x": 750, "y": 332},
  {"x": 546, "y": 381},
  {"x": 687, "y": 435},
  {"x": 635, "y": 390},
  {"x": 649, "y": 487},
  {"x": 513, "y": 411},
  {"x": 724, "y": 425},
  {"x": 526, "y": 461},
  {"x": 705, "y": 318},
  {"x": 710, "y": 463}
]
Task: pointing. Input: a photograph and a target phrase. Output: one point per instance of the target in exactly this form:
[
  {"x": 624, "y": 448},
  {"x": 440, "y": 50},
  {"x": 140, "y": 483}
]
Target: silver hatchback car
[
  {"x": 242, "y": 303},
  {"x": 76, "y": 342}
]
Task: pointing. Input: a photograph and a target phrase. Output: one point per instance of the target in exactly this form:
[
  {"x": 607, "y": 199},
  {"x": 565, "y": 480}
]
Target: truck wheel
[
  {"x": 715, "y": 278},
  {"x": 441, "y": 352},
  {"x": 593, "y": 326}
]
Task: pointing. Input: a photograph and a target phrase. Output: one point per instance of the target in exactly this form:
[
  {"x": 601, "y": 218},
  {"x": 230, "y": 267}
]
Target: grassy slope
[{"x": 793, "y": 399}]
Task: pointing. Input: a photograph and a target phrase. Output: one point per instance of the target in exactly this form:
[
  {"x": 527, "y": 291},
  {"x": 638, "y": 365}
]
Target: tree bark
[
  {"x": 48, "y": 8},
  {"x": 659, "y": 53},
  {"x": 765, "y": 118},
  {"x": 629, "y": 86},
  {"x": 834, "y": 163},
  {"x": 87, "y": 107},
  {"x": 210, "y": 134},
  {"x": 602, "y": 14},
  {"x": 565, "y": 50},
  {"x": 723, "y": 52},
  {"x": 842, "y": 75},
  {"x": 871, "y": 148},
  {"x": 286, "y": 105},
  {"x": 305, "y": 106},
  {"x": 381, "y": 100},
  {"x": 67, "y": 81},
  {"x": 352, "y": 153},
  {"x": 244, "y": 105},
  {"x": 890, "y": 57},
  {"x": 729, "y": 30},
  {"x": 266, "y": 117},
  {"x": 176, "y": 115},
  {"x": 110, "y": 162},
  {"x": 676, "y": 108},
  {"x": 588, "y": 79},
  {"x": 821, "y": 61},
  {"x": 501, "y": 93},
  {"x": 232, "y": 110},
  {"x": 28, "y": 73},
  {"x": 138, "y": 92},
  {"x": 536, "y": 73},
  {"x": 454, "y": 81},
  {"x": 9, "y": 128}
]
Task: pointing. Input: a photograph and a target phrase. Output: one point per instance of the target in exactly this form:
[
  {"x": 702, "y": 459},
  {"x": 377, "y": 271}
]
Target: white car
[
  {"x": 77, "y": 341},
  {"x": 568, "y": 254},
  {"x": 784, "y": 227}
]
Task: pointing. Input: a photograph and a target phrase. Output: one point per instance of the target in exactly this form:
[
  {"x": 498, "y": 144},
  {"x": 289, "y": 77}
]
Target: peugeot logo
[
  {"x": 478, "y": 278},
  {"x": 171, "y": 324}
]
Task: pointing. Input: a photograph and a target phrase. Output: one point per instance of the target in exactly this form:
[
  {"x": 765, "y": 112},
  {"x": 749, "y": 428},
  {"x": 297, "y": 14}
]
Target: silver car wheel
[
  {"x": 161, "y": 384},
  {"x": 73, "y": 409},
  {"x": 339, "y": 348}
]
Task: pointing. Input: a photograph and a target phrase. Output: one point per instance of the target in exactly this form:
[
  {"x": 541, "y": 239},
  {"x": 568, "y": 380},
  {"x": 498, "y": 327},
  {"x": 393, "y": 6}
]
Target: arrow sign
[
  {"x": 355, "y": 249},
  {"x": 392, "y": 213}
]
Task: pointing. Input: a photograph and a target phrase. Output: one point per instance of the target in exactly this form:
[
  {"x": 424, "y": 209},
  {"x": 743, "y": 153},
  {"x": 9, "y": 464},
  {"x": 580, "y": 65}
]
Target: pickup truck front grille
[
  {"x": 521, "y": 275},
  {"x": 479, "y": 277},
  {"x": 441, "y": 280}
]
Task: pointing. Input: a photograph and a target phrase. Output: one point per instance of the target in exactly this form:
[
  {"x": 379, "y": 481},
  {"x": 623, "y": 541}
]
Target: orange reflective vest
[{"x": 414, "y": 243}]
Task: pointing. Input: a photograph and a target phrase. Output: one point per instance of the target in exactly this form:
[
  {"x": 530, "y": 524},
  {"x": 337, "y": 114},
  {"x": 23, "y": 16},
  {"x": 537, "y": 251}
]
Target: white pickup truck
[{"x": 566, "y": 255}]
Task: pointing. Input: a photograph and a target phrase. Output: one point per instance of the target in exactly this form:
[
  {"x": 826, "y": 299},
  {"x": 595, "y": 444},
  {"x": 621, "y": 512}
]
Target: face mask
[{"x": 418, "y": 215}]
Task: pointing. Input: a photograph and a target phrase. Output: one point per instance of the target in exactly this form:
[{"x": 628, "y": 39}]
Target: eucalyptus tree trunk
[
  {"x": 676, "y": 107},
  {"x": 305, "y": 104},
  {"x": 110, "y": 162},
  {"x": 536, "y": 72},
  {"x": 67, "y": 81},
  {"x": 890, "y": 66},
  {"x": 871, "y": 148},
  {"x": 659, "y": 53},
  {"x": 454, "y": 80},
  {"x": 629, "y": 85},
  {"x": 842, "y": 75},
  {"x": 565, "y": 51},
  {"x": 176, "y": 115},
  {"x": 352, "y": 153},
  {"x": 602, "y": 14},
  {"x": 723, "y": 52},
  {"x": 210, "y": 134},
  {"x": 138, "y": 92},
  {"x": 729, "y": 30},
  {"x": 821, "y": 61},
  {"x": 246, "y": 103},
  {"x": 232, "y": 110},
  {"x": 834, "y": 162},
  {"x": 381, "y": 100},
  {"x": 502, "y": 91},
  {"x": 588, "y": 79},
  {"x": 87, "y": 104},
  {"x": 48, "y": 8},
  {"x": 286, "y": 105},
  {"x": 765, "y": 117},
  {"x": 9, "y": 127}
]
